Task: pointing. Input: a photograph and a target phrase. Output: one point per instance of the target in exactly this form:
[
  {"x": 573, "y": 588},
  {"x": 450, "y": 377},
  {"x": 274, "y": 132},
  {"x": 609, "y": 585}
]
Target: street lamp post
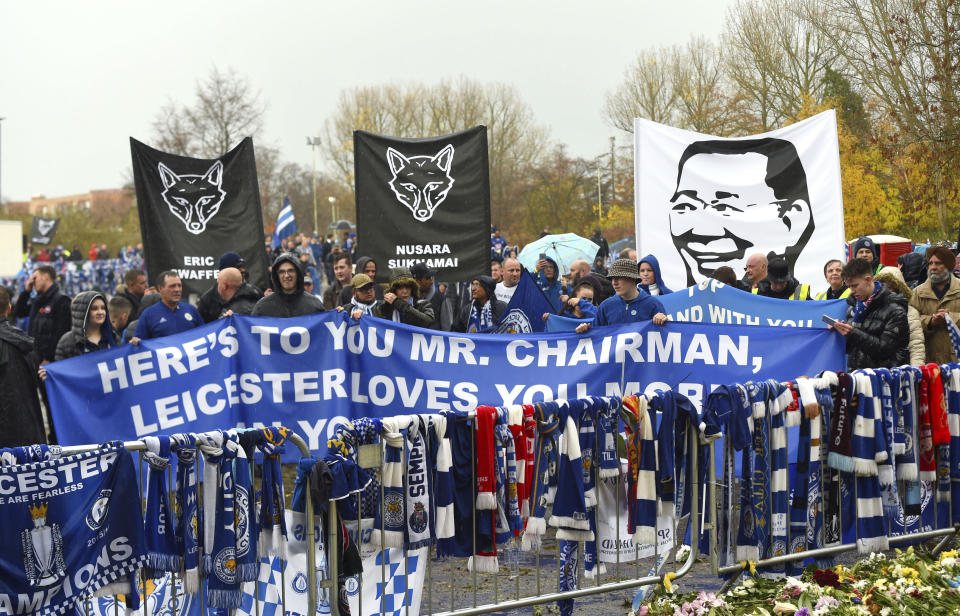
[
  {"x": 314, "y": 143},
  {"x": 333, "y": 210}
]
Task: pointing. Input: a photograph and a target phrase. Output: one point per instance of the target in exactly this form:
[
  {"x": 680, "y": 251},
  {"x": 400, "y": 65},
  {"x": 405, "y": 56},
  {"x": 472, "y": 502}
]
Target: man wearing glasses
[
  {"x": 736, "y": 198},
  {"x": 288, "y": 299}
]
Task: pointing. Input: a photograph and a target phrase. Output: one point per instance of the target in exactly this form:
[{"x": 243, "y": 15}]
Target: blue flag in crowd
[
  {"x": 286, "y": 224},
  {"x": 524, "y": 313}
]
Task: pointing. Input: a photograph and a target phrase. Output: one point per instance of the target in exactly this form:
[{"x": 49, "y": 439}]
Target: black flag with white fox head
[
  {"x": 43, "y": 230},
  {"x": 193, "y": 210},
  {"x": 424, "y": 200}
]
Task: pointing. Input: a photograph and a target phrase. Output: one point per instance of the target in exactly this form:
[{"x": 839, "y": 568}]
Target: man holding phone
[{"x": 876, "y": 327}]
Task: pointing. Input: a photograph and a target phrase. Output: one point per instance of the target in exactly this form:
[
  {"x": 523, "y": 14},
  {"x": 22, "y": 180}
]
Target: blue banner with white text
[{"x": 305, "y": 372}]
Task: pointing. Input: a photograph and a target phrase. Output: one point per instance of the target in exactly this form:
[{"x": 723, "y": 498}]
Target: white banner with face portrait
[{"x": 703, "y": 202}]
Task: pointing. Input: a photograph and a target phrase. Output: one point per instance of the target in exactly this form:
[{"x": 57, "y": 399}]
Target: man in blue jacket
[{"x": 630, "y": 304}]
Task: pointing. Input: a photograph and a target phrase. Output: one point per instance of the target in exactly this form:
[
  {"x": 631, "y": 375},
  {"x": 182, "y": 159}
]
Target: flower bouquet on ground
[{"x": 909, "y": 583}]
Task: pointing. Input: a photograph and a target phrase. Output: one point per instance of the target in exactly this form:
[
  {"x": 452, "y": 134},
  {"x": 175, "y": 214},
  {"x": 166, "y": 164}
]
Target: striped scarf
[
  {"x": 273, "y": 530},
  {"x": 906, "y": 403},
  {"x": 443, "y": 495},
  {"x": 544, "y": 473},
  {"x": 188, "y": 534},
  {"x": 643, "y": 496},
  {"x": 161, "y": 544},
  {"x": 868, "y": 449},
  {"x": 954, "y": 332},
  {"x": 779, "y": 399},
  {"x": 952, "y": 384},
  {"x": 391, "y": 533},
  {"x": 569, "y": 513}
]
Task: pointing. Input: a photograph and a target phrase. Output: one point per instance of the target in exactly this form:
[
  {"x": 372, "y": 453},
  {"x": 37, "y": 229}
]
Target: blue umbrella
[{"x": 563, "y": 248}]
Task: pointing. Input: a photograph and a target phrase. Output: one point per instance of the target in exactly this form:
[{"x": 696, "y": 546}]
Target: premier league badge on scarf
[{"x": 67, "y": 532}]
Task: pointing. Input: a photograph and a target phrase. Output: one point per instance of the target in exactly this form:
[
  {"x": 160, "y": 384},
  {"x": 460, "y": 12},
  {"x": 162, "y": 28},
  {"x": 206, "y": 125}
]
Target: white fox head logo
[
  {"x": 194, "y": 199},
  {"x": 44, "y": 226},
  {"x": 421, "y": 182}
]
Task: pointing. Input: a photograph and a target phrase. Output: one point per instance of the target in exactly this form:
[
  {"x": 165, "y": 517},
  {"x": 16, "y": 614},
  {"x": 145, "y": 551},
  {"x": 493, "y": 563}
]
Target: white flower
[
  {"x": 749, "y": 583},
  {"x": 949, "y": 561},
  {"x": 682, "y": 552}
]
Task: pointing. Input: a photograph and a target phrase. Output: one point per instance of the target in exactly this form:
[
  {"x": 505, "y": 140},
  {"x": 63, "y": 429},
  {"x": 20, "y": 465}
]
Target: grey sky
[{"x": 78, "y": 78}]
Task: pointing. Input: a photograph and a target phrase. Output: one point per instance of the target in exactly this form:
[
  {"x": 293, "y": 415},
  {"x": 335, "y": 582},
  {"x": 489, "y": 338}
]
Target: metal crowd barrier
[
  {"x": 540, "y": 597},
  {"x": 736, "y": 570},
  {"x": 312, "y": 584}
]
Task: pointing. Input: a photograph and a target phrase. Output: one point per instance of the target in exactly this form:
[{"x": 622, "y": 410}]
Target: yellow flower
[
  {"x": 948, "y": 554},
  {"x": 784, "y": 608}
]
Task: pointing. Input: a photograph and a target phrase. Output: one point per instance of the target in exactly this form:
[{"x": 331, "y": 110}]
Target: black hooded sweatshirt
[{"x": 280, "y": 304}]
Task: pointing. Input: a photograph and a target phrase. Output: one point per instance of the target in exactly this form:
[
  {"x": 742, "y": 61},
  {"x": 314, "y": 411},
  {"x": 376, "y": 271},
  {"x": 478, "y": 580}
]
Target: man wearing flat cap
[{"x": 938, "y": 297}]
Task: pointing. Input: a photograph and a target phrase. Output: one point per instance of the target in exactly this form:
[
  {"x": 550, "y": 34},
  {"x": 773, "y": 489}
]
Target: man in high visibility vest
[
  {"x": 780, "y": 284},
  {"x": 832, "y": 271}
]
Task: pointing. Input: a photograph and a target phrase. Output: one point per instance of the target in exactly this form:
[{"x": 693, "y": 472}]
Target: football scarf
[
  {"x": 161, "y": 542},
  {"x": 779, "y": 399},
  {"x": 868, "y": 449},
  {"x": 188, "y": 517},
  {"x": 954, "y": 332},
  {"x": 64, "y": 531},
  {"x": 760, "y": 477},
  {"x": 801, "y": 493},
  {"x": 486, "y": 499},
  {"x": 569, "y": 513},
  {"x": 926, "y": 456},
  {"x": 938, "y": 407},
  {"x": 508, "y": 506},
  {"x": 906, "y": 401},
  {"x": 273, "y": 530},
  {"x": 220, "y": 532},
  {"x": 443, "y": 496},
  {"x": 391, "y": 533},
  {"x": 544, "y": 475},
  {"x": 481, "y": 319},
  {"x": 588, "y": 454},
  {"x": 644, "y": 495},
  {"x": 245, "y": 516},
  {"x": 952, "y": 382},
  {"x": 418, "y": 489},
  {"x": 608, "y": 426},
  {"x": 840, "y": 454}
]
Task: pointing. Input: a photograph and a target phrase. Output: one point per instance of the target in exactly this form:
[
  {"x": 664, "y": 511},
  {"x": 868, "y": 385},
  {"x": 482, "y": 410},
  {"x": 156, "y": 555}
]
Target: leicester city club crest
[
  {"x": 42, "y": 549},
  {"x": 98, "y": 513}
]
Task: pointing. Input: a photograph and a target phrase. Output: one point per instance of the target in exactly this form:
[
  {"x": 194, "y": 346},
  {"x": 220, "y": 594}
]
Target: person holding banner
[
  {"x": 402, "y": 304},
  {"x": 91, "y": 330},
  {"x": 630, "y": 304},
  {"x": 832, "y": 272},
  {"x": 169, "y": 315},
  {"x": 288, "y": 298},
  {"x": 878, "y": 333}
]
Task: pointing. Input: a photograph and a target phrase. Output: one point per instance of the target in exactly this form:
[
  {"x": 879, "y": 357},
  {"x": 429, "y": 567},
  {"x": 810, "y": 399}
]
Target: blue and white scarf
[
  {"x": 480, "y": 319},
  {"x": 220, "y": 537},
  {"x": 608, "y": 426},
  {"x": 161, "y": 543},
  {"x": 569, "y": 513},
  {"x": 273, "y": 530},
  {"x": 907, "y": 461},
  {"x": 869, "y": 447},
  {"x": 860, "y": 307},
  {"x": 954, "y": 332},
  {"x": 760, "y": 477},
  {"x": 645, "y": 495},
  {"x": 418, "y": 511},
  {"x": 951, "y": 380},
  {"x": 443, "y": 496},
  {"x": 546, "y": 458},
  {"x": 393, "y": 527},
  {"x": 189, "y": 525},
  {"x": 779, "y": 398}
]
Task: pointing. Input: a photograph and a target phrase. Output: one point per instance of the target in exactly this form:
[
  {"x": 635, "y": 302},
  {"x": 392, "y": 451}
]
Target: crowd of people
[{"x": 896, "y": 315}]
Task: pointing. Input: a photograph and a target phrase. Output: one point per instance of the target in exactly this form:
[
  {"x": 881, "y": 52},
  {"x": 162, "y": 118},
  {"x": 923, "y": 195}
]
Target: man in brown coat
[{"x": 937, "y": 297}]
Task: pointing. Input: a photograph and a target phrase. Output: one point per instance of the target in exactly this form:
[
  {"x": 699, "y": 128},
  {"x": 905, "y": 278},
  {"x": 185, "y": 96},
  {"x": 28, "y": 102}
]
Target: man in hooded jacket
[
  {"x": 21, "y": 419},
  {"x": 549, "y": 281},
  {"x": 484, "y": 309},
  {"x": 288, "y": 298}
]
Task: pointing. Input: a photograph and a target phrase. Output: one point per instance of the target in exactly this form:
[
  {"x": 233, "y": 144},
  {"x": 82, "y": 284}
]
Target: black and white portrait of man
[{"x": 734, "y": 198}]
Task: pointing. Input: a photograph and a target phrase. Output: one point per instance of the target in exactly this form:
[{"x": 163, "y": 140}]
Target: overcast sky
[{"x": 78, "y": 78}]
